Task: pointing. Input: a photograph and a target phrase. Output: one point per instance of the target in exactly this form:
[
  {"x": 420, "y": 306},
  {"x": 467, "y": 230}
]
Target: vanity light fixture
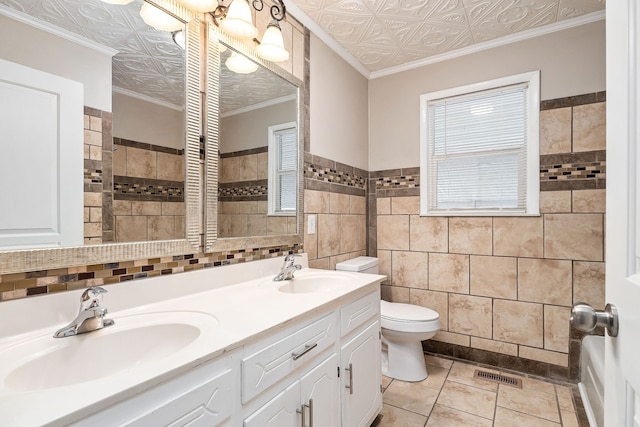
[
  {"x": 118, "y": 2},
  {"x": 236, "y": 20},
  {"x": 179, "y": 38},
  {"x": 158, "y": 19},
  {"x": 238, "y": 63},
  {"x": 201, "y": 6}
]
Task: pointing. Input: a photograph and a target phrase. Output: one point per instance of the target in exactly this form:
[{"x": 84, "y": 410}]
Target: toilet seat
[{"x": 408, "y": 317}]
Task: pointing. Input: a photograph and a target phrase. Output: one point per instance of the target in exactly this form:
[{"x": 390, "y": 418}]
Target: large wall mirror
[
  {"x": 112, "y": 92},
  {"x": 255, "y": 149}
]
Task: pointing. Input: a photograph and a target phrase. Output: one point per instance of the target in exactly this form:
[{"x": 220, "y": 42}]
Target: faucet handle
[
  {"x": 91, "y": 297},
  {"x": 291, "y": 257}
]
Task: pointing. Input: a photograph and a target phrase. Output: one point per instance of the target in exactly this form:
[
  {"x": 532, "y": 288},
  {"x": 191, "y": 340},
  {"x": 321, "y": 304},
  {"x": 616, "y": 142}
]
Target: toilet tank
[{"x": 361, "y": 264}]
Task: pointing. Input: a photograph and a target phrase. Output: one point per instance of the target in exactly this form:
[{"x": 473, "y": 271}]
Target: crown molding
[
  {"x": 56, "y": 31},
  {"x": 146, "y": 98},
  {"x": 501, "y": 41}
]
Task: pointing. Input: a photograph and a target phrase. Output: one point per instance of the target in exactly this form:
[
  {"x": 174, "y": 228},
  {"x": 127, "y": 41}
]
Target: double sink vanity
[{"x": 225, "y": 346}]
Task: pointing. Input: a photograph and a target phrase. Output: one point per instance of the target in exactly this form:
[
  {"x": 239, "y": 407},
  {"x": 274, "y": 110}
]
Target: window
[
  {"x": 283, "y": 168},
  {"x": 479, "y": 148}
]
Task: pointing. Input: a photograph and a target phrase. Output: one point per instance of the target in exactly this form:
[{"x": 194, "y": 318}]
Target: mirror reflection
[
  {"x": 258, "y": 149},
  {"x": 126, "y": 168}
]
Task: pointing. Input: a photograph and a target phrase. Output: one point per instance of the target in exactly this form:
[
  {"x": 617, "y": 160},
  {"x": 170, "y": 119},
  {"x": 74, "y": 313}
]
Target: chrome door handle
[
  {"x": 350, "y": 386},
  {"x": 302, "y": 413},
  {"x": 307, "y": 349},
  {"x": 585, "y": 318}
]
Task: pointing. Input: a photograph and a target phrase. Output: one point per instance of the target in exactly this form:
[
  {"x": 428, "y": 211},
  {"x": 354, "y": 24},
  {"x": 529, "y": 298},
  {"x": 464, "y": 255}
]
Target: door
[
  {"x": 320, "y": 393},
  {"x": 361, "y": 378},
  {"x": 622, "y": 386}
]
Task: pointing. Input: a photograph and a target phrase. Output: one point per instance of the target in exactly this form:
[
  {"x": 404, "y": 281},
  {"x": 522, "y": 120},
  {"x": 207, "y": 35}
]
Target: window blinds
[
  {"x": 287, "y": 146},
  {"x": 477, "y": 151}
]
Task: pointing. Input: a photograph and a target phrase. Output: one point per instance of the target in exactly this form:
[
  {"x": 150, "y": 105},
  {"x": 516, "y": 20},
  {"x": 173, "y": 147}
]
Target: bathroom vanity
[{"x": 226, "y": 346}]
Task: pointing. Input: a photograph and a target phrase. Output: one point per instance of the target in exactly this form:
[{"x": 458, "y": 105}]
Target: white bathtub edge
[{"x": 587, "y": 406}]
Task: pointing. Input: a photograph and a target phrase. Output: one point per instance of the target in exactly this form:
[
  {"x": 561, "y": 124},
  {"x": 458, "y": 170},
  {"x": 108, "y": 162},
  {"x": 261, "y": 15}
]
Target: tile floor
[{"x": 452, "y": 397}]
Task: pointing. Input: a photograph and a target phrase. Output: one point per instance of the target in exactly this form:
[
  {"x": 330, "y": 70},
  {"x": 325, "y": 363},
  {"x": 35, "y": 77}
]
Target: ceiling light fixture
[
  {"x": 238, "y": 63},
  {"x": 159, "y": 19}
]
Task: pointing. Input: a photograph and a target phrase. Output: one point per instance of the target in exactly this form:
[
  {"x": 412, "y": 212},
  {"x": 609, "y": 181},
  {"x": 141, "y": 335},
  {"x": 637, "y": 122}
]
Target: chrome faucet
[
  {"x": 90, "y": 317},
  {"x": 288, "y": 268}
]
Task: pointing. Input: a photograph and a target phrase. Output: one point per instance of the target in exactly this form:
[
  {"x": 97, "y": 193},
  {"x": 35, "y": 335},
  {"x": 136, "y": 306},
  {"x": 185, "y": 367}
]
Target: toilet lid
[{"x": 406, "y": 312}]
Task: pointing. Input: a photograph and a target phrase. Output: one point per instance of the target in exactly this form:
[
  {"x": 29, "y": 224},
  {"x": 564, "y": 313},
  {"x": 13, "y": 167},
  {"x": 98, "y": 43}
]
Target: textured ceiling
[
  {"x": 148, "y": 63},
  {"x": 381, "y": 34}
]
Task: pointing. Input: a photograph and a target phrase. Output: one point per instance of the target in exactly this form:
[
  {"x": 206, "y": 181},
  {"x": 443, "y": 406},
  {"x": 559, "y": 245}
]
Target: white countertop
[{"x": 243, "y": 299}]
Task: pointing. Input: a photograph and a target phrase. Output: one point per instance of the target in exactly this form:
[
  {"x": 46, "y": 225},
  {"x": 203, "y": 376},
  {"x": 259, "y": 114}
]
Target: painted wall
[
  {"x": 44, "y": 51},
  {"x": 339, "y": 108},
  {"x": 572, "y": 62}
]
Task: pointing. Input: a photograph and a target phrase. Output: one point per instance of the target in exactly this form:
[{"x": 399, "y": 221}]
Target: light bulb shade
[
  {"x": 200, "y": 5},
  {"x": 272, "y": 46},
  {"x": 238, "y": 22},
  {"x": 118, "y": 2},
  {"x": 180, "y": 38},
  {"x": 158, "y": 19},
  {"x": 240, "y": 64}
]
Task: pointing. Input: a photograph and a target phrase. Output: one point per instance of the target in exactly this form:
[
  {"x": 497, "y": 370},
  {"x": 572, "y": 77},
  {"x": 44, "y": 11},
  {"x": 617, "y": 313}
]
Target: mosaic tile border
[
  {"x": 573, "y": 101},
  {"x": 253, "y": 190},
  {"x": 20, "y": 285},
  {"x": 327, "y": 174},
  {"x": 146, "y": 189}
]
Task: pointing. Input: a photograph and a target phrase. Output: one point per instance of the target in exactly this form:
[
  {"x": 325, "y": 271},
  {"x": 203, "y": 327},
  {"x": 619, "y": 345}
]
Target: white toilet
[{"x": 404, "y": 327}]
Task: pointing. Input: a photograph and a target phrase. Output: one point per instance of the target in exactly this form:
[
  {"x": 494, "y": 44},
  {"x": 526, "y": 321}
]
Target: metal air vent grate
[{"x": 498, "y": 378}]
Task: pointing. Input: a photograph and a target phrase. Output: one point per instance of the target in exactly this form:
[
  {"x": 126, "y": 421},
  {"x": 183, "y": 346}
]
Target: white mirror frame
[
  {"x": 212, "y": 243},
  {"x": 49, "y": 258}
]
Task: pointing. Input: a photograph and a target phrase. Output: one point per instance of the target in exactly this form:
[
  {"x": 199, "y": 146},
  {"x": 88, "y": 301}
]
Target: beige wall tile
[
  {"x": 395, "y": 294},
  {"x": 87, "y": 122},
  {"x": 120, "y": 160},
  {"x": 384, "y": 264},
  {"x": 170, "y": 166},
  {"x": 227, "y": 207},
  {"x": 556, "y": 328},
  {"x": 410, "y": 269},
  {"x": 589, "y": 284},
  {"x": 495, "y": 277},
  {"x": 93, "y": 199},
  {"x": 93, "y": 138},
  {"x": 437, "y": 301},
  {"x": 95, "y": 153},
  {"x": 172, "y": 208},
  {"x": 559, "y": 359},
  {"x": 393, "y": 232},
  {"x": 276, "y": 225},
  {"x": 95, "y": 214},
  {"x": 470, "y": 235},
  {"x": 228, "y": 169},
  {"x": 555, "y": 131},
  {"x": 160, "y": 228},
  {"x": 87, "y": 215},
  {"x": 555, "y": 201},
  {"x": 338, "y": 203},
  {"x": 95, "y": 123},
  {"x": 257, "y": 226},
  {"x": 141, "y": 163},
  {"x": 310, "y": 240},
  {"x": 248, "y": 167},
  {"x": 122, "y": 207},
  {"x": 383, "y": 205},
  {"x": 518, "y": 322},
  {"x": 322, "y": 263},
  {"x": 545, "y": 280},
  {"x": 263, "y": 165},
  {"x": 247, "y": 207},
  {"x": 470, "y": 315},
  {"x": 429, "y": 234},
  {"x": 409, "y": 205},
  {"x": 179, "y": 224},
  {"x": 334, "y": 259},
  {"x": 146, "y": 208},
  {"x": 358, "y": 205},
  {"x": 452, "y": 338},
  {"x": 237, "y": 225},
  {"x": 494, "y": 346},
  {"x": 449, "y": 273},
  {"x": 574, "y": 236},
  {"x": 353, "y": 234},
  {"x": 518, "y": 236},
  {"x": 131, "y": 228},
  {"x": 589, "y": 201},
  {"x": 328, "y": 228},
  {"x": 316, "y": 201},
  {"x": 93, "y": 229},
  {"x": 589, "y": 127}
]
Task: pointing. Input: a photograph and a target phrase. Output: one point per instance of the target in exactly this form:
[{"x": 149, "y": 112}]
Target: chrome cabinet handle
[
  {"x": 301, "y": 411},
  {"x": 350, "y": 386},
  {"x": 307, "y": 349},
  {"x": 584, "y": 318}
]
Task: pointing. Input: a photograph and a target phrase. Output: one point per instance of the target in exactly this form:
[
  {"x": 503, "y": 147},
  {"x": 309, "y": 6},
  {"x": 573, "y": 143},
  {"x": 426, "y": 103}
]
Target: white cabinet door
[
  {"x": 279, "y": 411},
  {"x": 361, "y": 378},
  {"x": 320, "y": 392}
]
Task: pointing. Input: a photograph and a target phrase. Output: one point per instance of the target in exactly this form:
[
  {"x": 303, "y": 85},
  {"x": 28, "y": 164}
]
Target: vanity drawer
[
  {"x": 274, "y": 361},
  {"x": 358, "y": 312}
]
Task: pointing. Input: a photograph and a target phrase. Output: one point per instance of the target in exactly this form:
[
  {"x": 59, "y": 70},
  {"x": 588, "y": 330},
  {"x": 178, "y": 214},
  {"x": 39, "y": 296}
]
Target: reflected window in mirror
[
  {"x": 283, "y": 170},
  {"x": 130, "y": 174}
]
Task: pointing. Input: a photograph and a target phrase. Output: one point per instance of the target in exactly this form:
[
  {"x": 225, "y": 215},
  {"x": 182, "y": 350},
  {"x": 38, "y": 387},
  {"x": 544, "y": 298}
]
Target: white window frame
[
  {"x": 273, "y": 189},
  {"x": 532, "y": 79}
]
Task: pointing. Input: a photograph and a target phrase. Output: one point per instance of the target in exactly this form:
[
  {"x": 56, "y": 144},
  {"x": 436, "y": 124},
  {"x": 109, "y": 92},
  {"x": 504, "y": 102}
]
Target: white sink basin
[
  {"x": 134, "y": 341},
  {"x": 315, "y": 282}
]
